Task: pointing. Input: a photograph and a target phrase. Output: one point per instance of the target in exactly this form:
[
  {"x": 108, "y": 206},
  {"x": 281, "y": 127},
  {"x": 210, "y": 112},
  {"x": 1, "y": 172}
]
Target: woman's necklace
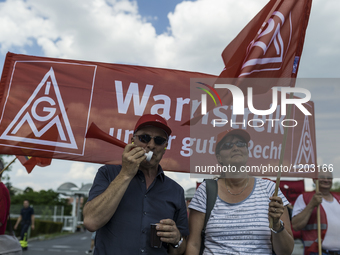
[{"x": 240, "y": 191}]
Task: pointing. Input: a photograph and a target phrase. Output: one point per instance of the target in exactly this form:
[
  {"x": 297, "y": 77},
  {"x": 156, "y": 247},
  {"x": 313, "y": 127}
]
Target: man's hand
[
  {"x": 168, "y": 231},
  {"x": 32, "y": 226},
  {"x": 317, "y": 199},
  {"x": 131, "y": 159}
]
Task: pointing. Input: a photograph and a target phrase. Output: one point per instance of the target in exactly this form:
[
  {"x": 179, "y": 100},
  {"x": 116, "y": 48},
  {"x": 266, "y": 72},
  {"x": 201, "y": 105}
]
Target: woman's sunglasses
[
  {"x": 228, "y": 146},
  {"x": 147, "y": 138}
]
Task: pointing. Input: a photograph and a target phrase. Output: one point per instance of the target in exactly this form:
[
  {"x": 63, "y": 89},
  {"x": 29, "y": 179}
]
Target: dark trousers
[{"x": 24, "y": 229}]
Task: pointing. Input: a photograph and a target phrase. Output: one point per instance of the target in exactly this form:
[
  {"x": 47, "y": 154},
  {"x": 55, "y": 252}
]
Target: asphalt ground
[{"x": 79, "y": 243}]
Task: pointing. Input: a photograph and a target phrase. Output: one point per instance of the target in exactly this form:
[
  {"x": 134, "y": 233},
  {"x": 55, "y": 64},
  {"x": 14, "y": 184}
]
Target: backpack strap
[{"x": 211, "y": 193}]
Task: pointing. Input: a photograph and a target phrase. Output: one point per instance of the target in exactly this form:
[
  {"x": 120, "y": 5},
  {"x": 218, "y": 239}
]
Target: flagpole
[
  {"x": 5, "y": 168},
  {"x": 282, "y": 154},
  {"x": 318, "y": 220}
]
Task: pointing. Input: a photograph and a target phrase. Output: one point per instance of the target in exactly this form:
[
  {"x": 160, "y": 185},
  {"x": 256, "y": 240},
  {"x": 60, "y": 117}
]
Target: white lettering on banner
[
  {"x": 139, "y": 105},
  {"x": 179, "y": 109},
  {"x": 306, "y": 149},
  {"x": 165, "y": 106},
  {"x": 266, "y": 152},
  {"x": 200, "y": 146},
  {"x": 187, "y": 142},
  {"x": 220, "y": 114},
  {"x": 25, "y": 115},
  {"x": 194, "y": 106},
  {"x": 123, "y": 105}
]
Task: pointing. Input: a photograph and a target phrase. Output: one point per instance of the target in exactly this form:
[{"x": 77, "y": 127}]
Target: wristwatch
[
  {"x": 177, "y": 244},
  {"x": 282, "y": 227}
]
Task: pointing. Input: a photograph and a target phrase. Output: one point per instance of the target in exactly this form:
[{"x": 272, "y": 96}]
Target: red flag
[
  {"x": 271, "y": 44},
  {"x": 30, "y": 162}
]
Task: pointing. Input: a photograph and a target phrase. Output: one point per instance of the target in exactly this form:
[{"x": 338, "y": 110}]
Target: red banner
[
  {"x": 40, "y": 96},
  {"x": 48, "y": 104}
]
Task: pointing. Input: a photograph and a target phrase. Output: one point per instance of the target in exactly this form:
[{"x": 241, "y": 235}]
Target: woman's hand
[{"x": 275, "y": 211}]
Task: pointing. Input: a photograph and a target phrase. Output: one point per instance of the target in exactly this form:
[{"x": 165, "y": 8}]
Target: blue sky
[
  {"x": 156, "y": 12},
  {"x": 184, "y": 35}
]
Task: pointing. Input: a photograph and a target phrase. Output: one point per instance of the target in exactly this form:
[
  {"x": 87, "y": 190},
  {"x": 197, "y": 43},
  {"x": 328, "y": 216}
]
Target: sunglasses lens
[
  {"x": 159, "y": 140},
  {"x": 147, "y": 138},
  {"x": 240, "y": 144},
  {"x": 228, "y": 146},
  {"x": 144, "y": 138}
]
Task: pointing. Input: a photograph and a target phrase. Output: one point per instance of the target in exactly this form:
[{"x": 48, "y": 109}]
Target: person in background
[
  {"x": 126, "y": 199},
  {"x": 5, "y": 203},
  {"x": 304, "y": 217},
  {"x": 93, "y": 236},
  {"x": 27, "y": 220}
]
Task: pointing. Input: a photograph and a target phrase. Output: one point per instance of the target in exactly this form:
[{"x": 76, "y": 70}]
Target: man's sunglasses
[
  {"x": 228, "y": 146},
  {"x": 147, "y": 138}
]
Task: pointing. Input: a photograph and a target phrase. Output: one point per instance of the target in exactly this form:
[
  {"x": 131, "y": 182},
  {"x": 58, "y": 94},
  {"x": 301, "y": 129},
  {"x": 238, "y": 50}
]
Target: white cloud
[
  {"x": 202, "y": 29},
  {"x": 116, "y": 32},
  {"x": 321, "y": 52},
  {"x": 20, "y": 172},
  {"x": 80, "y": 172}
]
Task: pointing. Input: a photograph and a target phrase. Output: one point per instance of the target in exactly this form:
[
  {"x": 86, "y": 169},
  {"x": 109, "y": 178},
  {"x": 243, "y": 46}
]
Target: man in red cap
[{"x": 126, "y": 199}]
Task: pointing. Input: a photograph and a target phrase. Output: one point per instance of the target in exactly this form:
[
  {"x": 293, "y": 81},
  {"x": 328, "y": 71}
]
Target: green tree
[{"x": 336, "y": 187}]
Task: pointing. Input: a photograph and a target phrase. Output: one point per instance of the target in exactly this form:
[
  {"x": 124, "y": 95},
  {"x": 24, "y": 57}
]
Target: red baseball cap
[
  {"x": 240, "y": 132},
  {"x": 153, "y": 120}
]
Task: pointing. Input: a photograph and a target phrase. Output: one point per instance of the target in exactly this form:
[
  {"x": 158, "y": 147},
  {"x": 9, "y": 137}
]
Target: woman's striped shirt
[{"x": 240, "y": 228}]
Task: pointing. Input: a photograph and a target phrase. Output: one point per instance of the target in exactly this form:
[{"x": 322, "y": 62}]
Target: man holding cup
[{"x": 125, "y": 200}]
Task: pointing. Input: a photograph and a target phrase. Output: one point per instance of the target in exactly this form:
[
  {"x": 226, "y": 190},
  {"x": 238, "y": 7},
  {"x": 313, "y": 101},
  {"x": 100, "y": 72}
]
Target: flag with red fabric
[
  {"x": 270, "y": 46},
  {"x": 30, "y": 162}
]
